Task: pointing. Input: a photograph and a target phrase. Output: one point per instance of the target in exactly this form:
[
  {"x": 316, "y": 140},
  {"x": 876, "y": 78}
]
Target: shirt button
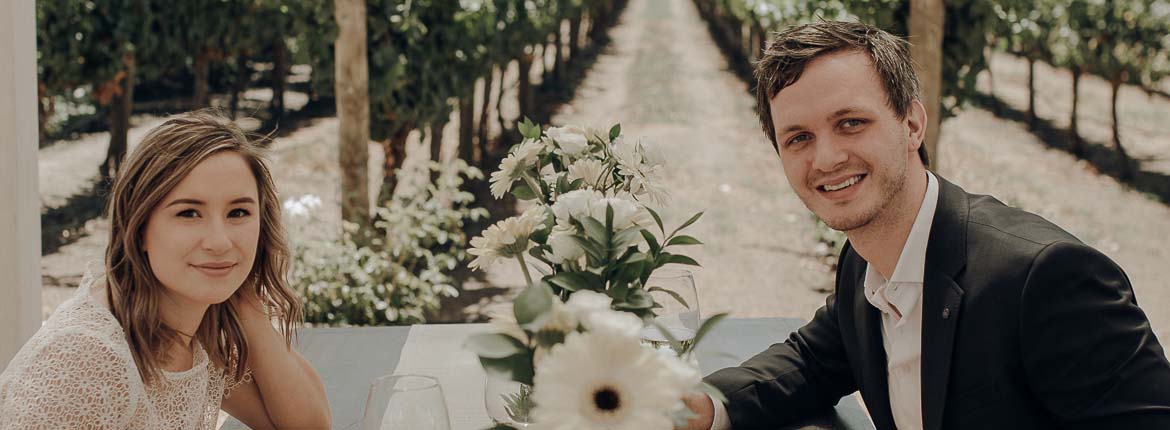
[{"x": 946, "y": 313}]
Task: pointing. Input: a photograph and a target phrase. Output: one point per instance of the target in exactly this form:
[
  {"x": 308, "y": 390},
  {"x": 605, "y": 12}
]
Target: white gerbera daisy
[
  {"x": 506, "y": 239},
  {"x": 596, "y": 381},
  {"x": 513, "y": 167}
]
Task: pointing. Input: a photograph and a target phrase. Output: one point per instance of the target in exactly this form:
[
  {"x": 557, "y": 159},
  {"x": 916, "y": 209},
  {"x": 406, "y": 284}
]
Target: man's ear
[{"x": 916, "y": 125}]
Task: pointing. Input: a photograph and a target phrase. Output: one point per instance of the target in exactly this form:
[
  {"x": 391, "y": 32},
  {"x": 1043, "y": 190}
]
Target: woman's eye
[
  {"x": 238, "y": 213},
  {"x": 189, "y": 213}
]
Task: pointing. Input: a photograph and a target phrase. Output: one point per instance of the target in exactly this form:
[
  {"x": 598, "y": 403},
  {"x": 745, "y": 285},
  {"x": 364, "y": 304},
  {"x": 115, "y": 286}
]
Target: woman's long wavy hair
[{"x": 166, "y": 155}]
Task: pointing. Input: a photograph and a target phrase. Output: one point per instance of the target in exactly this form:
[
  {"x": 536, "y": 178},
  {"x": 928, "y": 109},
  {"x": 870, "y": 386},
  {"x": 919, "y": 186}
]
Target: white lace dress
[{"x": 77, "y": 372}]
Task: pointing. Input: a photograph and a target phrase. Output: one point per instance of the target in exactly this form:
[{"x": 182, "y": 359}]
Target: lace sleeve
[
  {"x": 73, "y": 379},
  {"x": 231, "y": 385}
]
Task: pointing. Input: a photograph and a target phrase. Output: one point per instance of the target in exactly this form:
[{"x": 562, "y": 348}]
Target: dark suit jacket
[{"x": 1023, "y": 327}]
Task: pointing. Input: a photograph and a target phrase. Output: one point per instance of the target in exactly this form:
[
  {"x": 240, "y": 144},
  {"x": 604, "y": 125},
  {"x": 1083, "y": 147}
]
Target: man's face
[{"x": 844, "y": 150}]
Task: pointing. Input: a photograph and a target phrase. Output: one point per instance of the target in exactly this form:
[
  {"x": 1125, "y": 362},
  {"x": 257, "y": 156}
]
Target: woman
[{"x": 179, "y": 322}]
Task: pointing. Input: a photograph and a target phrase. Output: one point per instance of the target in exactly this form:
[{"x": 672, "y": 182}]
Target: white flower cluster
[
  {"x": 610, "y": 174},
  {"x": 302, "y": 206},
  {"x": 586, "y": 155},
  {"x": 601, "y": 376}
]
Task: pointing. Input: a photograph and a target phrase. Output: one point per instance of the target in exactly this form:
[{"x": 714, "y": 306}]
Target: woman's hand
[{"x": 286, "y": 389}]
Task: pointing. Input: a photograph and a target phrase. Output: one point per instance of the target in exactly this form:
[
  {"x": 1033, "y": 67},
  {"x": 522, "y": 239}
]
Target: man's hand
[{"x": 704, "y": 410}]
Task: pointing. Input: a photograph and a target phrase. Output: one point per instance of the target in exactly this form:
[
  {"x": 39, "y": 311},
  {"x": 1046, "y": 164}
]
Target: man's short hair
[{"x": 793, "y": 48}]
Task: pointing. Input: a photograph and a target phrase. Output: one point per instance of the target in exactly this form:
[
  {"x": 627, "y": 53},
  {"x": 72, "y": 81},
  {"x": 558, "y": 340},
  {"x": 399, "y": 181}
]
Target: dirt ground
[{"x": 666, "y": 82}]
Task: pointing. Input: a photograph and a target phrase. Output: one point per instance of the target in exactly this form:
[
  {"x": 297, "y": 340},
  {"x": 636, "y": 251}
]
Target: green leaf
[
  {"x": 694, "y": 218},
  {"x": 523, "y": 192},
  {"x": 615, "y": 131},
  {"x": 651, "y": 240},
  {"x": 626, "y": 237},
  {"x": 517, "y": 367},
  {"x": 595, "y": 230},
  {"x": 494, "y": 345},
  {"x": 576, "y": 281},
  {"x": 575, "y": 185},
  {"x": 529, "y": 129},
  {"x": 590, "y": 247},
  {"x": 608, "y": 223},
  {"x": 533, "y": 303},
  {"x": 677, "y": 297},
  {"x": 681, "y": 259},
  {"x": 673, "y": 341},
  {"x": 657, "y": 219},
  {"x": 683, "y": 240},
  {"x": 710, "y": 390},
  {"x": 706, "y": 327},
  {"x": 636, "y": 299}
]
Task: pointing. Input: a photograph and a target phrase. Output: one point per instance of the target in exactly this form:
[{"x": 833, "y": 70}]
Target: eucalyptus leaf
[
  {"x": 615, "y": 131},
  {"x": 494, "y": 345},
  {"x": 533, "y": 304}
]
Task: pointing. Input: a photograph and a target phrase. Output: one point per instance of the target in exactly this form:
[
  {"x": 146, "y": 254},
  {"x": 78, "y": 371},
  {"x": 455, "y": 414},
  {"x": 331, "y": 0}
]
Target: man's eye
[
  {"x": 798, "y": 139},
  {"x": 852, "y": 123},
  {"x": 189, "y": 213},
  {"x": 239, "y": 213}
]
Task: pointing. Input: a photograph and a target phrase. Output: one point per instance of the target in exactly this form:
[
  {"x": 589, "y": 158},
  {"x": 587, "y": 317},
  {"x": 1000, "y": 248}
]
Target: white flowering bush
[
  {"x": 574, "y": 336},
  {"x": 398, "y": 271}
]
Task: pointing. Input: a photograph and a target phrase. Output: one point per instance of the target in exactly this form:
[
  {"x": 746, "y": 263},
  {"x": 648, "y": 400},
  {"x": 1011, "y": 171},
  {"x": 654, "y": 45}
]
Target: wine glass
[
  {"x": 405, "y": 402},
  {"x": 677, "y": 312},
  {"x": 507, "y": 401}
]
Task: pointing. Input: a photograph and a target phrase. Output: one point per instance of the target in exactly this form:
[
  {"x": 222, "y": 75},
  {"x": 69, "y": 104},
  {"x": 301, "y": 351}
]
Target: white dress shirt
[{"x": 899, "y": 300}]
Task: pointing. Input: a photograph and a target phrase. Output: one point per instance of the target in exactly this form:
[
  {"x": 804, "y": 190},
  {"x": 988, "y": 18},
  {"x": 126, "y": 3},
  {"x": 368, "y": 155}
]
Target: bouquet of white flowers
[{"x": 573, "y": 337}]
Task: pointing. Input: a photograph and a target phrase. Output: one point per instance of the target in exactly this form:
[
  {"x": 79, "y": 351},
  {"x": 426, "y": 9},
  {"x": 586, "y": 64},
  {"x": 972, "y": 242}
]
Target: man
[{"x": 951, "y": 310}]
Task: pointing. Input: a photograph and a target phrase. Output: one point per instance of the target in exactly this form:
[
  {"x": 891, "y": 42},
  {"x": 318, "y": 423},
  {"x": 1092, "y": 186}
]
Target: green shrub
[{"x": 397, "y": 271}]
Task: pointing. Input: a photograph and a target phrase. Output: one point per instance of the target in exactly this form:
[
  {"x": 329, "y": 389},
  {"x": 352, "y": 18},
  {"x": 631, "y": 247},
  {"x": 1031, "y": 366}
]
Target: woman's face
[{"x": 201, "y": 240}]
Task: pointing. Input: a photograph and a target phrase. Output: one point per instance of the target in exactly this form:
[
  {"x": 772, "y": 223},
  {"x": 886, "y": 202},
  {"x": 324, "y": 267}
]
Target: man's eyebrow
[{"x": 846, "y": 111}]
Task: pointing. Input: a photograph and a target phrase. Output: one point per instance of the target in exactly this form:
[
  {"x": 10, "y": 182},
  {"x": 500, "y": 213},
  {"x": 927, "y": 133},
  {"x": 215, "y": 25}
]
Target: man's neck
[{"x": 880, "y": 242}]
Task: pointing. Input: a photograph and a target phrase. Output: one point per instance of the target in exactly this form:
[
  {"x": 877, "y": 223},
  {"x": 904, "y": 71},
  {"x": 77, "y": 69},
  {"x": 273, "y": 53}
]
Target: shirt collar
[{"x": 912, "y": 261}]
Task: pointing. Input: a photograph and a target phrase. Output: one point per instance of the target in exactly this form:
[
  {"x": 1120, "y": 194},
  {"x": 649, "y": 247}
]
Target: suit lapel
[
  {"x": 940, "y": 314},
  {"x": 942, "y": 298},
  {"x": 868, "y": 323}
]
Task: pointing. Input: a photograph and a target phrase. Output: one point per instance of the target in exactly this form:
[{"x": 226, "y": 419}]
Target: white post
[{"x": 20, "y": 222}]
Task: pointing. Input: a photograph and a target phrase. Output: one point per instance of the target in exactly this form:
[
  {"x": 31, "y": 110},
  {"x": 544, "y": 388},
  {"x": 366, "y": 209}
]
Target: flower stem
[{"x": 524, "y": 267}]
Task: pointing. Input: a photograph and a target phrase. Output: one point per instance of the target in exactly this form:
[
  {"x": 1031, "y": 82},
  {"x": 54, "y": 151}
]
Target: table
[{"x": 348, "y": 358}]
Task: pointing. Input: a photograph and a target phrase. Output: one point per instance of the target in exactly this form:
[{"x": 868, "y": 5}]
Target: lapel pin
[{"x": 946, "y": 313}]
